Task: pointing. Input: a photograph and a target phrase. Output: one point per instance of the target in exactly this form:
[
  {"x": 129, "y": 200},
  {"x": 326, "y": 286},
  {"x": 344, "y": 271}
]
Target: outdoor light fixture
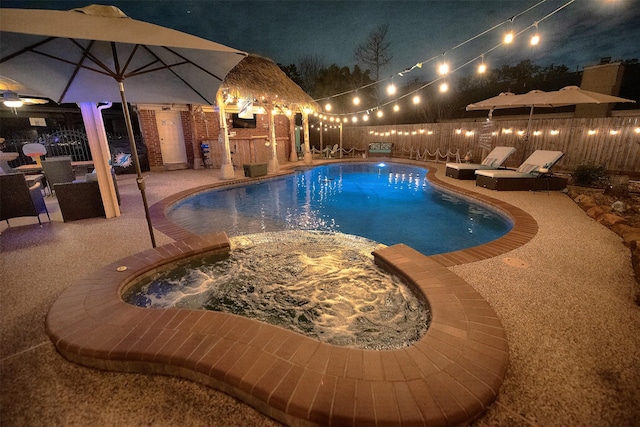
[
  {"x": 554, "y": 132},
  {"x": 380, "y": 113},
  {"x": 458, "y": 131},
  {"x": 327, "y": 107},
  {"x": 482, "y": 68},
  {"x": 396, "y": 108},
  {"x": 416, "y": 99},
  {"x": 356, "y": 100},
  {"x": 508, "y": 38},
  {"x": 444, "y": 87},
  {"x": 11, "y": 99},
  {"x": 536, "y": 132},
  {"x": 365, "y": 118},
  {"x": 354, "y": 119},
  {"x": 535, "y": 39},
  {"x": 443, "y": 68},
  {"x": 637, "y": 130},
  {"x": 592, "y": 132},
  {"x": 613, "y": 132},
  {"x": 391, "y": 89}
]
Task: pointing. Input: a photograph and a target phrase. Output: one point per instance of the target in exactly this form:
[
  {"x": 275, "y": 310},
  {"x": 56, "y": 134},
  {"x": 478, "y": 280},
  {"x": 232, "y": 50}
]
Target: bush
[{"x": 589, "y": 175}]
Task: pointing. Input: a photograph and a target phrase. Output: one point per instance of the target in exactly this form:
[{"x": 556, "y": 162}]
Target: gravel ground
[{"x": 565, "y": 299}]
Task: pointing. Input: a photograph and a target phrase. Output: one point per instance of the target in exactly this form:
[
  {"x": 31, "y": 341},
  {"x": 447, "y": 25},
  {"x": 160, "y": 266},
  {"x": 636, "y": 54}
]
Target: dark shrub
[{"x": 589, "y": 175}]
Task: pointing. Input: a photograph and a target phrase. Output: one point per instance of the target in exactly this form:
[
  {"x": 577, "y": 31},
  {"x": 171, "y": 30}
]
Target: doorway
[{"x": 174, "y": 153}]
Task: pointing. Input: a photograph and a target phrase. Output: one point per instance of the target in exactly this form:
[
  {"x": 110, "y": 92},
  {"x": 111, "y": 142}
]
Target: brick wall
[{"x": 207, "y": 127}]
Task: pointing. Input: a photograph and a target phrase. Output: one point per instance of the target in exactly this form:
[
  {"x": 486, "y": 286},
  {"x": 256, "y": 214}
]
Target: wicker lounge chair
[
  {"x": 494, "y": 160},
  {"x": 17, "y": 199},
  {"x": 533, "y": 174}
]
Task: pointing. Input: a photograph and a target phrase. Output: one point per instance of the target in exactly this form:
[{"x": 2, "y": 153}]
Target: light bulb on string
[
  {"x": 365, "y": 118},
  {"x": 354, "y": 119},
  {"x": 443, "y": 68},
  {"x": 535, "y": 39},
  {"x": 356, "y": 99},
  {"x": 379, "y": 113},
  {"x": 327, "y": 107},
  {"x": 508, "y": 38},
  {"x": 391, "y": 89},
  {"x": 396, "y": 108},
  {"x": 416, "y": 100},
  {"x": 482, "y": 68},
  {"x": 444, "y": 87}
]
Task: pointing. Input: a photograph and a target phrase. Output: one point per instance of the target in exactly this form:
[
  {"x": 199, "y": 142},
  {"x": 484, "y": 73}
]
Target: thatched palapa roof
[{"x": 261, "y": 78}]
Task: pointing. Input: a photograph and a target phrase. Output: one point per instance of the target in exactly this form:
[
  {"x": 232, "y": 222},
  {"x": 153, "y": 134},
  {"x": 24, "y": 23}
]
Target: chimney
[{"x": 606, "y": 78}]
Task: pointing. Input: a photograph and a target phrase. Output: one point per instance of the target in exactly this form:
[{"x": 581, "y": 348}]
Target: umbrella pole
[{"x": 136, "y": 161}]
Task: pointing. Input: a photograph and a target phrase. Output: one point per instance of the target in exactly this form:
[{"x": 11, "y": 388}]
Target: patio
[{"x": 567, "y": 366}]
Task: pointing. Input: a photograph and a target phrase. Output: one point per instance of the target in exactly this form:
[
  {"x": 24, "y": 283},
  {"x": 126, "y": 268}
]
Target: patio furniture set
[
  {"x": 533, "y": 174},
  {"x": 23, "y": 195}
]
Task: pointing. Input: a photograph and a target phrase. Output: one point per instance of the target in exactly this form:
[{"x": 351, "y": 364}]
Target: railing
[{"x": 59, "y": 142}]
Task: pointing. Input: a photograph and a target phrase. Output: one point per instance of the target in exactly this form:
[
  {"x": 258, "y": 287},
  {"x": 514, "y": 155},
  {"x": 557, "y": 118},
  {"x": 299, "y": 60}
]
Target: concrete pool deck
[{"x": 563, "y": 368}]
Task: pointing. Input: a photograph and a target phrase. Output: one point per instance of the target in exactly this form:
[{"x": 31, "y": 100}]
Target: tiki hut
[{"x": 260, "y": 81}]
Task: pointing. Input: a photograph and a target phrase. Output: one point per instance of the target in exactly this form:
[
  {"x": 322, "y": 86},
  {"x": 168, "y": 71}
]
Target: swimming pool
[{"x": 388, "y": 203}]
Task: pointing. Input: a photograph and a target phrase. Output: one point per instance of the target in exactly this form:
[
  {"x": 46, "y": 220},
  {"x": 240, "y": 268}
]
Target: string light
[
  {"x": 508, "y": 38},
  {"x": 396, "y": 108},
  {"x": 391, "y": 89},
  {"x": 482, "y": 68},
  {"x": 535, "y": 39},
  {"x": 444, "y": 69},
  {"x": 380, "y": 113},
  {"x": 327, "y": 107},
  {"x": 416, "y": 100}
]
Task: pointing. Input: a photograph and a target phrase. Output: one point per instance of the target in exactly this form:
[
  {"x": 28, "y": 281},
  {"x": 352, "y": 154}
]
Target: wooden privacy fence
[{"x": 612, "y": 142}]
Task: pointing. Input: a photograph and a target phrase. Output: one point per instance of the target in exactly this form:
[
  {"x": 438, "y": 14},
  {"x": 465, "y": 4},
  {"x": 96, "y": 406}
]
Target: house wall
[{"x": 247, "y": 145}]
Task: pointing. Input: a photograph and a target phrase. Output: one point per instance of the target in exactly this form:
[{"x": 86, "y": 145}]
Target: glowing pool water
[
  {"x": 386, "y": 203},
  {"x": 322, "y": 285}
]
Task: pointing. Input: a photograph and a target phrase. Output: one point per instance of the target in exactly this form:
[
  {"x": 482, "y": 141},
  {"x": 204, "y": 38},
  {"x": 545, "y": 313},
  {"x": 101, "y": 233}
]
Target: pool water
[
  {"x": 322, "y": 285},
  {"x": 386, "y": 203}
]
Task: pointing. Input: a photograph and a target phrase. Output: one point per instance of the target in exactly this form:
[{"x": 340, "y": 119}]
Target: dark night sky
[{"x": 285, "y": 31}]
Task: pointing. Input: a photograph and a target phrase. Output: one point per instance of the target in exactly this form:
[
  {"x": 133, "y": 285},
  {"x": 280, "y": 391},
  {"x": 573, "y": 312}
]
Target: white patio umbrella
[
  {"x": 87, "y": 55},
  {"x": 569, "y": 95}
]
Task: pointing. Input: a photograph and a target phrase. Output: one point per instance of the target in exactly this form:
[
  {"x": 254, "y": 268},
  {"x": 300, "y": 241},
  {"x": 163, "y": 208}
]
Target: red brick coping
[{"x": 449, "y": 377}]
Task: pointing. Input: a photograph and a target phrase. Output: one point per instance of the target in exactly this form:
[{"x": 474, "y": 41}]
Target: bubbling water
[{"x": 323, "y": 285}]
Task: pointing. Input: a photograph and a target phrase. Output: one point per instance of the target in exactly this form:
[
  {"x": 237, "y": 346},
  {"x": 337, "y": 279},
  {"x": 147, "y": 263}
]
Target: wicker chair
[
  {"x": 58, "y": 170},
  {"x": 17, "y": 199},
  {"x": 79, "y": 200}
]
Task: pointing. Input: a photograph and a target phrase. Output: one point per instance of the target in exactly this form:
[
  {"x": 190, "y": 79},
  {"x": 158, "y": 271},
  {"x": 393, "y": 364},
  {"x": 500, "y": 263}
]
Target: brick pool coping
[{"x": 449, "y": 377}]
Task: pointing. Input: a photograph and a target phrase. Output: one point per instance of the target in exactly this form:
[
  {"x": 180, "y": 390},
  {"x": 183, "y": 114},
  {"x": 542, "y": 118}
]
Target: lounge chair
[
  {"x": 494, "y": 160},
  {"x": 533, "y": 174}
]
